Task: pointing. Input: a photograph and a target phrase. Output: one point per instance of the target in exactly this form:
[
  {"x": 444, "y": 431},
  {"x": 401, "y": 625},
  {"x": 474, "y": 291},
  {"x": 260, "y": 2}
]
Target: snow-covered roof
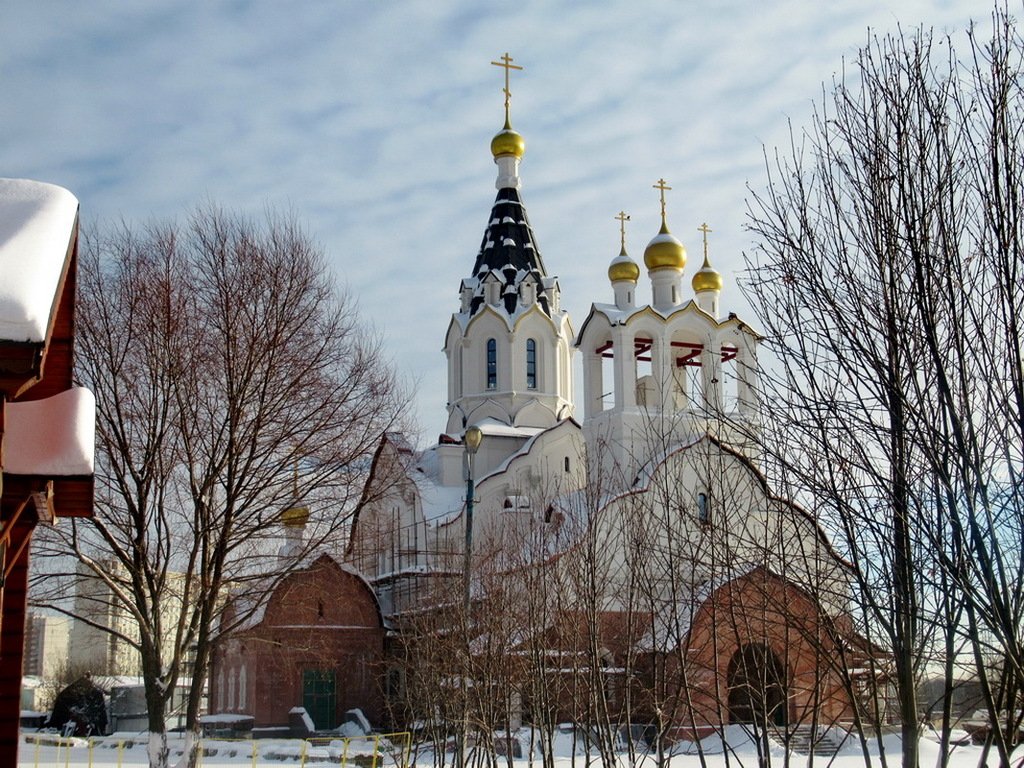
[
  {"x": 444, "y": 503},
  {"x": 107, "y": 682},
  {"x": 531, "y": 433},
  {"x": 440, "y": 503},
  {"x": 671, "y": 626},
  {"x": 37, "y": 222},
  {"x": 494, "y": 428},
  {"x": 621, "y": 316},
  {"x": 53, "y": 437},
  {"x": 252, "y": 605}
]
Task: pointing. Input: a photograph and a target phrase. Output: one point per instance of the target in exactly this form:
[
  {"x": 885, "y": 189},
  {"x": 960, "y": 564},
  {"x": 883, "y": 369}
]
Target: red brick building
[
  {"x": 318, "y": 643},
  {"x": 753, "y": 648},
  {"x": 759, "y": 647}
]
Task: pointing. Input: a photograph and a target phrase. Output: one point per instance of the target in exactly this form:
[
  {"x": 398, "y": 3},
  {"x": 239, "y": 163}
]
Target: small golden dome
[
  {"x": 707, "y": 279},
  {"x": 664, "y": 251},
  {"x": 623, "y": 268},
  {"x": 294, "y": 517},
  {"x": 508, "y": 142}
]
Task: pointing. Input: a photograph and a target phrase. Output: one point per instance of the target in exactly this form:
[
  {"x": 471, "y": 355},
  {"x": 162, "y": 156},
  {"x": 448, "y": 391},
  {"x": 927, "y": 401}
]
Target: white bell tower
[
  {"x": 509, "y": 346},
  {"x": 667, "y": 372}
]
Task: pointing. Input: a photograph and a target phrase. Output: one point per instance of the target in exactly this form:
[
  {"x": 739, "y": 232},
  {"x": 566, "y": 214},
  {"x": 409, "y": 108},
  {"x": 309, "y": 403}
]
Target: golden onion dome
[
  {"x": 665, "y": 251},
  {"x": 294, "y": 517},
  {"x": 707, "y": 279},
  {"x": 623, "y": 268},
  {"x": 508, "y": 142}
]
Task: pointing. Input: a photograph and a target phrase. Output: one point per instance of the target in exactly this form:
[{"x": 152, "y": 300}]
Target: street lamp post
[
  {"x": 473, "y": 437},
  {"x": 471, "y": 440}
]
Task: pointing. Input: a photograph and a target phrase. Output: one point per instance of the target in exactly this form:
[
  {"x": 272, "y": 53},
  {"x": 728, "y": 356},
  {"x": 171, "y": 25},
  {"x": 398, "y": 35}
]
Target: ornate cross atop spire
[
  {"x": 622, "y": 218},
  {"x": 507, "y": 65},
  {"x": 705, "y": 229},
  {"x": 663, "y": 187}
]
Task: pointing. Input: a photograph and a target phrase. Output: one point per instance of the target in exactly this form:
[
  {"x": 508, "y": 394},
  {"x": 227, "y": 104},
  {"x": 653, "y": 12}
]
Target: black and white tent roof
[{"x": 509, "y": 254}]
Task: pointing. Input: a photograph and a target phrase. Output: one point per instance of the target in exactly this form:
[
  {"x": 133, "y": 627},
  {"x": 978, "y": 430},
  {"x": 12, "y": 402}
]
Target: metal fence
[{"x": 386, "y": 750}]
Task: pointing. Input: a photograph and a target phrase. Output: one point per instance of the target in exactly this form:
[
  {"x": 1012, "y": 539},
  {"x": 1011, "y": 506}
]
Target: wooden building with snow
[{"x": 47, "y": 424}]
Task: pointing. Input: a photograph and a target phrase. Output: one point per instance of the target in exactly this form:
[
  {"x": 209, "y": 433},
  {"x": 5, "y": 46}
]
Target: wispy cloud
[{"x": 372, "y": 122}]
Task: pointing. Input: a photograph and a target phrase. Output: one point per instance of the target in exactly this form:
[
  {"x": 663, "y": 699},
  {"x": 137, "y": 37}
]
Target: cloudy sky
[{"x": 372, "y": 121}]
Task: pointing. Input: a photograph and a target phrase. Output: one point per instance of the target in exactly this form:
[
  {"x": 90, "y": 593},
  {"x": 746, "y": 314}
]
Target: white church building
[{"x": 659, "y": 465}]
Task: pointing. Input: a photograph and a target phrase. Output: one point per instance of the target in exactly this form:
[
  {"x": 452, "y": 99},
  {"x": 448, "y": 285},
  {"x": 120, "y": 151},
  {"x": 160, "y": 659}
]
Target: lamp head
[{"x": 472, "y": 439}]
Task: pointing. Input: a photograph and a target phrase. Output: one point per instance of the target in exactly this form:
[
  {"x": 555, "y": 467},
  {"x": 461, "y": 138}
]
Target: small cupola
[
  {"x": 508, "y": 142},
  {"x": 293, "y": 520},
  {"x": 665, "y": 258},
  {"x": 623, "y": 269},
  {"x": 623, "y": 272},
  {"x": 707, "y": 282}
]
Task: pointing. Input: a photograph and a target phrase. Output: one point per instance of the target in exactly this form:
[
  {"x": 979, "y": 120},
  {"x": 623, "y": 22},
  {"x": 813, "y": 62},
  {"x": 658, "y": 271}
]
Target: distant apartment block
[
  {"x": 104, "y": 632},
  {"x": 46, "y": 645}
]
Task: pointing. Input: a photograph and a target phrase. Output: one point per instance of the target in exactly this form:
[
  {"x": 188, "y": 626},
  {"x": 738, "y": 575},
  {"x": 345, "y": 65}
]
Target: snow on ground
[{"x": 736, "y": 749}]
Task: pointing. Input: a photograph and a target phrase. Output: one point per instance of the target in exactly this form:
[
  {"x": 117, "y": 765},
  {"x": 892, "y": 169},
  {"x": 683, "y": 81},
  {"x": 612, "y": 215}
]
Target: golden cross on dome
[
  {"x": 704, "y": 228},
  {"x": 507, "y": 65},
  {"x": 622, "y": 218},
  {"x": 661, "y": 185}
]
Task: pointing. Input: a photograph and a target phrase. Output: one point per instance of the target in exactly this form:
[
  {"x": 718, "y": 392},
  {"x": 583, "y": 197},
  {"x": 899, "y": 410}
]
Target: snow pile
[
  {"x": 355, "y": 724},
  {"x": 738, "y": 740},
  {"x": 293, "y": 751},
  {"x": 740, "y": 751},
  {"x": 37, "y": 222},
  {"x": 307, "y": 721}
]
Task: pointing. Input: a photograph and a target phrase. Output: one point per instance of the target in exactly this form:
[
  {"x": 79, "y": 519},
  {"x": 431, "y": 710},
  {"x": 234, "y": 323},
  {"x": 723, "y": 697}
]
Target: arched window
[
  {"x": 531, "y": 364},
  {"x": 492, "y": 364},
  {"x": 703, "y": 509},
  {"x": 566, "y": 463}
]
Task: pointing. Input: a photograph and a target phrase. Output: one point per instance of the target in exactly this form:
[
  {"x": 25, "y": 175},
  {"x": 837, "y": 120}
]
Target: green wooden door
[{"x": 318, "y": 695}]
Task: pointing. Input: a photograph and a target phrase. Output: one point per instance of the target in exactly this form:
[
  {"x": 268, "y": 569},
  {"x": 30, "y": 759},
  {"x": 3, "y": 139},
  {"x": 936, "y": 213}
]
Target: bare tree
[
  {"x": 231, "y": 378},
  {"x": 888, "y": 279}
]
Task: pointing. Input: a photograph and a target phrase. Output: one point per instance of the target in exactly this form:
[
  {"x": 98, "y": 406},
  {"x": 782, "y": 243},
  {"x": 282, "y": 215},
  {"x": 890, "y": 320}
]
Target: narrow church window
[
  {"x": 320, "y": 609},
  {"x": 492, "y": 364},
  {"x": 243, "y": 685},
  {"x": 531, "y": 364},
  {"x": 566, "y": 463},
  {"x": 703, "y": 509}
]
